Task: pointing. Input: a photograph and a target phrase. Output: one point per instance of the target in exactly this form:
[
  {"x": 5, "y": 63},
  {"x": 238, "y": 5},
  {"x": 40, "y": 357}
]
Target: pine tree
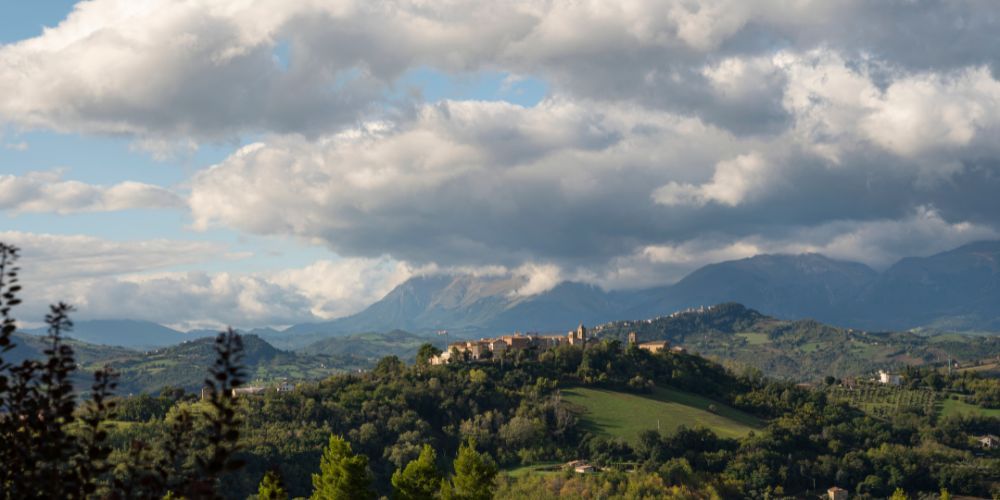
[
  {"x": 474, "y": 475},
  {"x": 271, "y": 487},
  {"x": 53, "y": 448},
  {"x": 420, "y": 479},
  {"x": 343, "y": 475}
]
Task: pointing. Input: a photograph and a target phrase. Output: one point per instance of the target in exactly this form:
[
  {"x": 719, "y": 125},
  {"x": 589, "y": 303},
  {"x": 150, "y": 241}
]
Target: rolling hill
[
  {"x": 797, "y": 349},
  {"x": 186, "y": 365},
  {"x": 33, "y": 346}
]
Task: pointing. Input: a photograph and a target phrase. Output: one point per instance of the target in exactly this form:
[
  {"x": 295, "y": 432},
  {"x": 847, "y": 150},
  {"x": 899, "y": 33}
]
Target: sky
[{"x": 207, "y": 162}]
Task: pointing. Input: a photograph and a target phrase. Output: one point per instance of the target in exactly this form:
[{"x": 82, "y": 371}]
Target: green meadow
[{"x": 625, "y": 415}]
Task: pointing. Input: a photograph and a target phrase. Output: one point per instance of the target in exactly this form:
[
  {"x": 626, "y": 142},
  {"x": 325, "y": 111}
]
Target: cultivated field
[{"x": 884, "y": 401}]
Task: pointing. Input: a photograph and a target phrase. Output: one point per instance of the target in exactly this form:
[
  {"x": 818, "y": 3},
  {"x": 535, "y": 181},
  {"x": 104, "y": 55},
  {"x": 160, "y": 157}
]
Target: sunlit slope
[{"x": 625, "y": 415}]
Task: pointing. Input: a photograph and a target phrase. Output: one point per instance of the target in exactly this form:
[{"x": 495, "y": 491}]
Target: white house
[{"x": 888, "y": 378}]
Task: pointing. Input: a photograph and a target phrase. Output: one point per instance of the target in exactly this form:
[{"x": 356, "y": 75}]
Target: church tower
[{"x": 578, "y": 337}]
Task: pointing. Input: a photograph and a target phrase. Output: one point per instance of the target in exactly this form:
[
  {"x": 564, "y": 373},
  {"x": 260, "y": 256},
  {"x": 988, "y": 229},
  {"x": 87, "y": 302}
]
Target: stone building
[
  {"x": 578, "y": 336},
  {"x": 655, "y": 346}
]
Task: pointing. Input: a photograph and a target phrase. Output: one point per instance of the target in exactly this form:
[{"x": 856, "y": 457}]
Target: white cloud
[
  {"x": 207, "y": 69},
  {"x": 466, "y": 183},
  {"x": 929, "y": 112},
  {"x": 538, "y": 278},
  {"x": 339, "y": 288},
  {"x": 839, "y": 107},
  {"x": 675, "y": 133},
  {"x": 733, "y": 181},
  {"x": 53, "y": 257},
  {"x": 881, "y": 243},
  {"x": 49, "y": 192},
  {"x": 138, "y": 279}
]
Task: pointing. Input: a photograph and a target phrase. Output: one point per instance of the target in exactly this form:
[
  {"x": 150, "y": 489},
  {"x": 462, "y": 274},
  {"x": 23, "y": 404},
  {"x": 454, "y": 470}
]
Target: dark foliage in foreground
[{"x": 53, "y": 447}]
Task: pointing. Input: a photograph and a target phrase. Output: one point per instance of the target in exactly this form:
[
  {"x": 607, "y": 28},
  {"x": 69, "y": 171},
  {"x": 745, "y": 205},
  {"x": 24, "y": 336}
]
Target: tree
[
  {"x": 426, "y": 352},
  {"x": 271, "y": 487},
  {"x": 420, "y": 479},
  {"x": 899, "y": 494},
  {"x": 51, "y": 450},
  {"x": 343, "y": 474},
  {"x": 474, "y": 475}
]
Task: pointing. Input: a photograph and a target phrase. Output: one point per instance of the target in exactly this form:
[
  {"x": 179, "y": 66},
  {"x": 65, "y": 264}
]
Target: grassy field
[
  {"x": 625, "y": 414},
  {"x": 755, "y": 338},
  {"x": 955, "y": 407},
  {"x": 810, "y": 347},
  {"x": 542, "y": 468}
]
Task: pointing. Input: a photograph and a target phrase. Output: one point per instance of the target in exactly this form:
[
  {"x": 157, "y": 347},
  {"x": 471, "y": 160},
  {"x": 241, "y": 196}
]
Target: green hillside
[
  {"x": 951, "y": 407},
  {"x": 185, "y": 365},
  {"x": 802, "y": 350},
  {"x": 33, "y": 347},
  {"x": 373, "y": 345},
  {"x": 625, "y": 415}
]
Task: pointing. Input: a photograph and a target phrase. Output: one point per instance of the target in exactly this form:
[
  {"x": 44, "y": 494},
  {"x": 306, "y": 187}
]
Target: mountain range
[
  {"x": 957, "y": 290},
  {"x": 130, "y": 333},
  {"x": 954, "y": 290}
]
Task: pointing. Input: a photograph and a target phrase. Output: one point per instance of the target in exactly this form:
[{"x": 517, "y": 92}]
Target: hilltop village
[{"x": 489, "y": 348}]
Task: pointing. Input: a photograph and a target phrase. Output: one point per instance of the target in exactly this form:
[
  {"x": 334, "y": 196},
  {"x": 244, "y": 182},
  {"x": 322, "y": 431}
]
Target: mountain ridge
[
  {"x": 955, "y": 290},
  {"x": 801, "y": 286}
]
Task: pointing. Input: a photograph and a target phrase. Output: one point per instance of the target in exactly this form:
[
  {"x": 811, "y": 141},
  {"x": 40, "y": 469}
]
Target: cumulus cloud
[
  {"x": 168, "y": 68},
  {"x": 732, "y": 182},
  {"x": 207, "y": 70},
  {"x": 675, "y": 133},
  {"x": 926, "y": 118},
  {"x": 338, "y": 288},
  {"x": 49, "y": 192},
  {"x": 568, "y": 183},
  {"x": 466, "y": 183},
  {"x": 139, "y": 279},
  {"x": 538, "y": 278}
]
